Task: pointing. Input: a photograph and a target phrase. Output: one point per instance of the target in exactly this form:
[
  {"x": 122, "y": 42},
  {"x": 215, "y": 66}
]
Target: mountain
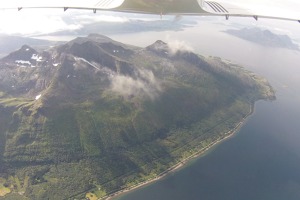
[
  {"x": 93, "y": 116},
  {"x": 264, "y": 37},
  {"x": 11, "y": 43}
]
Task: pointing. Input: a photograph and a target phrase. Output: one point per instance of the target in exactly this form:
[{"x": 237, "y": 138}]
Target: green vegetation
[
  {"x": 92, "y": 133},
  {"x": 4, "y": 190}
]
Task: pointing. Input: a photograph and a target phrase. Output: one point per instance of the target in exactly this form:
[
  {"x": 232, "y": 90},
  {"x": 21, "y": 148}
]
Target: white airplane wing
[
  {"x": 161, "y": 7},
  {"x": 228, "y": 10}
]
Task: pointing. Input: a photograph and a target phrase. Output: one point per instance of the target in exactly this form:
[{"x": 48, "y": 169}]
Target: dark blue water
[{"x": 261, "y": 162}]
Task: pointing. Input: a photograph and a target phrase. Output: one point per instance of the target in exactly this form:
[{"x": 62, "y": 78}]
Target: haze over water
[{"x": 262, "y": 161}]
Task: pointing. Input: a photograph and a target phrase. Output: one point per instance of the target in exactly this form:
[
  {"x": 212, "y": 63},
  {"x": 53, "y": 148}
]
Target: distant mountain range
[
  {"x": 96, "y": 116},
  {"x": 12, "y": 43},
  {"x": 264, "y": 37},
  {"x": 131, "y": 26}
]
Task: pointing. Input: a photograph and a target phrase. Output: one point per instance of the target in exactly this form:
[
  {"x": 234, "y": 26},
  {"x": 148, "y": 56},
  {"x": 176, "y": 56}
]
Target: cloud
[
  {"x": 144, "y": 84},
  {"x": 176, "y": 45},
  {"x": 33, "y": 21},
  {"x": 89, "y": 19},
  {"x": 43, "y": 21}
]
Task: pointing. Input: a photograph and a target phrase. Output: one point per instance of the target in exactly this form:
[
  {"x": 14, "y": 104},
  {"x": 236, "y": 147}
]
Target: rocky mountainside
[{"x": 95, "y": 115}]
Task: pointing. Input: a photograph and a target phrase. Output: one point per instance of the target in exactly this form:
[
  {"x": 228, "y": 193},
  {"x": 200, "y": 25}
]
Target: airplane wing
[{"x": 160, "y": 7}]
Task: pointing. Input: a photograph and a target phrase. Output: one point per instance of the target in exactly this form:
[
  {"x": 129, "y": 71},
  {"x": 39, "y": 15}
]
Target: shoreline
[{"x": 183, "y": 162}]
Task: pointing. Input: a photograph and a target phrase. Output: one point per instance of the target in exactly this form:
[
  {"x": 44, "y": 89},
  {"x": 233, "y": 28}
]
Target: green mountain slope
[{"x": 95, "y": 115}]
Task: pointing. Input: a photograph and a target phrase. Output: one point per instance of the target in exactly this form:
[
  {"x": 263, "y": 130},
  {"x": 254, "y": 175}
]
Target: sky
[
  {"x": 273, "y": 7},
  {"x": 35, "y": 21}
]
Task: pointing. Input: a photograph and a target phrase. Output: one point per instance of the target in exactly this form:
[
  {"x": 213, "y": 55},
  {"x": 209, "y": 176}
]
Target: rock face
[{"x": 97, "y": 115}]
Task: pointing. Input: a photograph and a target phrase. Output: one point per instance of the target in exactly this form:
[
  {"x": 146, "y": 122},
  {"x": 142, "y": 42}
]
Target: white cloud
[
  {"x": 43, "y": 21},
  {"x": 145, "y": 84},
  {"x": 88, "y": 19},
  {"x": 32, "y": 22},
  {"x": 176, "y": 45}
]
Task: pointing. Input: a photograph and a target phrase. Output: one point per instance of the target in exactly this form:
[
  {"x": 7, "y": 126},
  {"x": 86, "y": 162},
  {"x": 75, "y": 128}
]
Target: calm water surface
[{"x": 261, "y": 162}]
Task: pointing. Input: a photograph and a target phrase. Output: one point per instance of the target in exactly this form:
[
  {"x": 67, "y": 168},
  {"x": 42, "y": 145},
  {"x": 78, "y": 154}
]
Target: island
[{"x": 94, "y": 117}]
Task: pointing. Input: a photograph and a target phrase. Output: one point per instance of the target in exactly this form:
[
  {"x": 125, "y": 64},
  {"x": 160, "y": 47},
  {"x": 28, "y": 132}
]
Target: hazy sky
[{"x": 32, "y": 21}]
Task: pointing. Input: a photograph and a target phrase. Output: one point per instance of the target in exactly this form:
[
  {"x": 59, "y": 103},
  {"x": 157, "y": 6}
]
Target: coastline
[{"x": 183, "y": 162}]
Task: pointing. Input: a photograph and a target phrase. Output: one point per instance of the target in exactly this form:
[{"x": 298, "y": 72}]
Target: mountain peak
[
  {"x": 26, "y": 47},
  {"x": 99, "y": 50},
  {"x": 24, "y": 53},
  {"x": 159, "y": 46},
  {"x": 93, "y": 38},
  {"x": 99, "y": 37}
]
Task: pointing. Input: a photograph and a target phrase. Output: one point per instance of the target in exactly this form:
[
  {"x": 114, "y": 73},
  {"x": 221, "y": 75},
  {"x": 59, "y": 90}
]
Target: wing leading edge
[{"x": 161, "y": 7}]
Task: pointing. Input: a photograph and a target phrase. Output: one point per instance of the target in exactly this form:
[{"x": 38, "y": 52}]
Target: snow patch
[
  {"x": 38, "y": 96},
  {"x": 36, "y": 57},
  {"x": 23, "y": 62},
  {"x": 89, "y": 63}
]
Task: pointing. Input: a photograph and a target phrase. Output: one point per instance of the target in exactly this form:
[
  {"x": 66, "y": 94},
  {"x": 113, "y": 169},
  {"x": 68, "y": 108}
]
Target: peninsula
[
  {"x": 264, "y": 37},
  {"x": 93, "y": 116}
]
